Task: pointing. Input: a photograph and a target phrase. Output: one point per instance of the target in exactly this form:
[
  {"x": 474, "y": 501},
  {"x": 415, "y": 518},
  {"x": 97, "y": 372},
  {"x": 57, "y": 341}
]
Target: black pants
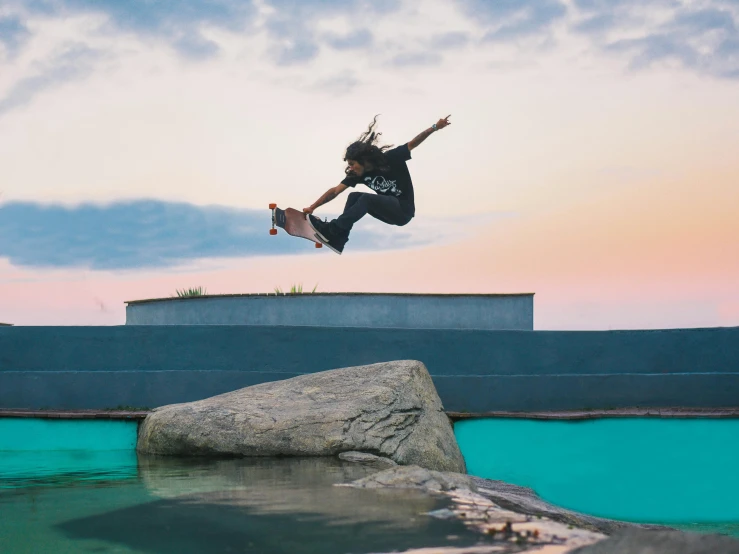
[{"x": 385, "y": 208}]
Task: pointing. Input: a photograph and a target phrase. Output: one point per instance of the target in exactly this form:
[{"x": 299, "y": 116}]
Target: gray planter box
[{"x": 376, "y": 310}]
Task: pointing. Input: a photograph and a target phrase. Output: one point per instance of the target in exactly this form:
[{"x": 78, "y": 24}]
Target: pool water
[
  {"x": 680, "y": 472},
  {"x": 39, "y": 434},
  {"x": 35, "y": 452},
  {"x": 71, "y": 501},
  {"x": 79, "y": 486}
]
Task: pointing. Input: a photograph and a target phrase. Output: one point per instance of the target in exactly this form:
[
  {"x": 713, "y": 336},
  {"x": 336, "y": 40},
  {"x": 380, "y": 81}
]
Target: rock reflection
[
  {"x": 270, "y": 505},
  {"x": 283, "y": 486}
]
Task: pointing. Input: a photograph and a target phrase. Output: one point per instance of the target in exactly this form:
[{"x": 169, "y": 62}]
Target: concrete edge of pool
[{"x": 677, "y": 412}]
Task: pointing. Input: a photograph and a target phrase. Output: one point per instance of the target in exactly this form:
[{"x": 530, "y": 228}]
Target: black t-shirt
[{"x": 396, "y": 181}]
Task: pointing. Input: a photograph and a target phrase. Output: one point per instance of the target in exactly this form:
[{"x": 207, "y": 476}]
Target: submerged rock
[
  {"x": 389, "y": 409},
  {"x": 414, "y": 477},
  {"x": 369, "y": 460},
  {"x": 524, "y": 500},
  {"x": 505, "y": 528},
  {"x": 513, "y": 498},
  {"x": 509, "y": 514}
]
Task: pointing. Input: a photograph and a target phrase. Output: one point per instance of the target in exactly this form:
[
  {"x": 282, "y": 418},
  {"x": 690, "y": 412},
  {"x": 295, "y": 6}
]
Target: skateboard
[{"x": 294, "y": 222}]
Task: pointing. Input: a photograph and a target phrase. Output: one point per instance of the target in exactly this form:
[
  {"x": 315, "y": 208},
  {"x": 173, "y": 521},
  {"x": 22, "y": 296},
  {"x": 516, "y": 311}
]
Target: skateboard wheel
[
  {"x": 319, "y": 245},
  {"x": 272, "y": 206},
  {"x": 273, "y": 231}
]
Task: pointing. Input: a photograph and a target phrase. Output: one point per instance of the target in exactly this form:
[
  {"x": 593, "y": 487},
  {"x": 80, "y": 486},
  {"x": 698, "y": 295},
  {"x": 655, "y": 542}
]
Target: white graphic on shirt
[{"x": 382, "y": 185}]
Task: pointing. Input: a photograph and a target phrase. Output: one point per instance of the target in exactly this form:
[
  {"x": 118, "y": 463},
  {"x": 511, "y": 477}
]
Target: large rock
[{"x": 389, "y": 409}]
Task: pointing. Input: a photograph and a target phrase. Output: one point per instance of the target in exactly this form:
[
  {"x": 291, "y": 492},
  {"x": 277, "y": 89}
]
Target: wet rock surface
[
  {"x": 414, "y": 477},
  {"x": 389, "y": 409},
  {"x": 639, "y": 541},
  {"x": 506, "y": 530},
  {"x": 526, "y": 501},
  {"x": 515, "y": 519}
]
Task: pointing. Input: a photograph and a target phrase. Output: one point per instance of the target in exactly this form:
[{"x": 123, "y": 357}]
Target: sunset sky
[{"x": 592, "y": 157}]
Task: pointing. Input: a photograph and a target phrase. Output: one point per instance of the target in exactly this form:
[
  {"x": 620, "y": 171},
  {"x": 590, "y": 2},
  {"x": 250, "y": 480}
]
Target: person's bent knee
[{"x": 405, "y": 222}]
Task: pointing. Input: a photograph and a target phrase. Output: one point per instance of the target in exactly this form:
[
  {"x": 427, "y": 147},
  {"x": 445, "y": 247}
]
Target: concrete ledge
[
  {"x": 708, "y": 413},
  {"x": 687, "y": 413},
  {"x": 376, "y": 310},
  {"x": 75, "y": 414}
]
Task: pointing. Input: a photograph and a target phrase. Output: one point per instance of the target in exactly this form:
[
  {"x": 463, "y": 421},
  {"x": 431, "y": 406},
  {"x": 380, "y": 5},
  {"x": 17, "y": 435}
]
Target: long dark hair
[{"x": 365, "y": 150}]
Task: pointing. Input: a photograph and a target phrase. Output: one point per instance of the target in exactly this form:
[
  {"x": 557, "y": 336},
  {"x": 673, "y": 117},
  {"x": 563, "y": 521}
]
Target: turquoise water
[
  {"x": 78, "y": 485},
  {"x": 681, "y": 472},
  {"x": 275, "y": 506},
  {"x": 35, "y": 452},
  {"x": 34, "y": 434},
  {"x": 70, "y": 486}
]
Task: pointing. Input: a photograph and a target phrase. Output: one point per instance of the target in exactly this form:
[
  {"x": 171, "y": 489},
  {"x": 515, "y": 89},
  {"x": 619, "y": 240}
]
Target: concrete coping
[
  {"x": 728, "y": 412},
  {"x": 274, "y": 294},
  {"x": 707, "y": 413},
  {"x": 75, "y": 414}
]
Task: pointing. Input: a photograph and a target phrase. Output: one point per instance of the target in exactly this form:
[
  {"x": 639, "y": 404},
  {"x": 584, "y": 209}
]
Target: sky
[{"x": 591, "y": 158}]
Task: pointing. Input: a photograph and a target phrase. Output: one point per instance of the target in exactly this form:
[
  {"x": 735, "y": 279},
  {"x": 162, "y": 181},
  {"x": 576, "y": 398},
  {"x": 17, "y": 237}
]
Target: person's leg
[
  {"x": 385, "y": 208},
  {"x": 336, "y": 233},
  {"x": 352, "y": 199}
]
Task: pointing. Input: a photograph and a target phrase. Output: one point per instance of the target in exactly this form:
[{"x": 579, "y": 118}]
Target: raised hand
[{"x": 443, "y": 122}]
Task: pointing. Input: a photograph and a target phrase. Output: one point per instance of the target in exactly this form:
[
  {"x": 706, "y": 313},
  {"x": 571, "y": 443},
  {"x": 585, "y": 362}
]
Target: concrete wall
[
  {"x": 408, "y": 311},
  {"x": 474, "y": 371}
]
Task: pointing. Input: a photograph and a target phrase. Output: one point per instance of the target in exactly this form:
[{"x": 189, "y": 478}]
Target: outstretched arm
[
  {"x": 425, "y": 134},
  {"x": 327, "y": 196}
]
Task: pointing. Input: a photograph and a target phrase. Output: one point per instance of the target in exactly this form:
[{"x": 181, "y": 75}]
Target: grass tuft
[
  {"x": 200, "y": 291},
  {"x": 295, "y": 289}
]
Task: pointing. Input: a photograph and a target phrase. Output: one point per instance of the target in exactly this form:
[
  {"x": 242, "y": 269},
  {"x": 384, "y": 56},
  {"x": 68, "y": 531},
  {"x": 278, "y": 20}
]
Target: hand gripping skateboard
[{"x": 294, "y": 222}]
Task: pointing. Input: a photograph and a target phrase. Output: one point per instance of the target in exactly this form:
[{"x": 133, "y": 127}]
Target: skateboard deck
[{"x": 294, "y": 223}]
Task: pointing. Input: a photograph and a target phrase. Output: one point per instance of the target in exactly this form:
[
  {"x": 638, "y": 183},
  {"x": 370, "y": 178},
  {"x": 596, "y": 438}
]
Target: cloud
[
  {"x": 196, "y": 47},
  {"x": 704, "y": 39},
  {"x": 446, "y": 41},
  {"x": 13, "y": 33},
  {"x": 361, "y": 38},
  {"x": 429, "y": 54},
  {"x": 337, "y": 85},
  {"x": 296, "y": 51},
  {"x": 75, "y": 61},
  {"x": 421, "y": 58},
  {"x": 596, "y": 24},
  {"x": 292, "y": 26},
  {"x": 178, "y": 23},
  {"x": 700, "y": 37},
  {"x": 515, "y": 19},
  {"x": 289, "y": 23},
  {"x": 158, "y": 234}
]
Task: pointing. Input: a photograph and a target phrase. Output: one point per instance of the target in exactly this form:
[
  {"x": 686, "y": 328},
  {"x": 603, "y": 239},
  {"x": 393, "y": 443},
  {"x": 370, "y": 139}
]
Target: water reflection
[{"x": 263, "y": 505}]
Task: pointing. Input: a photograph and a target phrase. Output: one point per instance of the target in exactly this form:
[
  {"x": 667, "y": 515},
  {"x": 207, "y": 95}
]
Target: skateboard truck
[{"x": 273, "y": 231}]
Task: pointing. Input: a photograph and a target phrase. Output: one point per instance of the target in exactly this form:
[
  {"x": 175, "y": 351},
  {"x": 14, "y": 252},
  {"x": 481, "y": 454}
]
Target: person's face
[{"x": 356, "y": 167}]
